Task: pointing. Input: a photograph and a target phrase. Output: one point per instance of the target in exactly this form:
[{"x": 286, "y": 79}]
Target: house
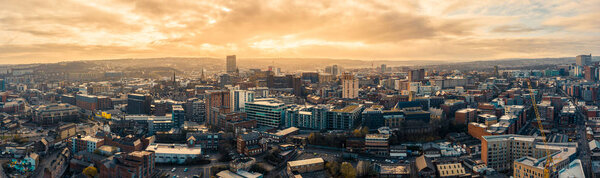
[{"x": 424, "y": 167}]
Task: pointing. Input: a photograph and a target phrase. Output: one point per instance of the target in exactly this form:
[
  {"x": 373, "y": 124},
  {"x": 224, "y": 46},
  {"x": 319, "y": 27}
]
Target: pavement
[{"x": 199, "y": 170}]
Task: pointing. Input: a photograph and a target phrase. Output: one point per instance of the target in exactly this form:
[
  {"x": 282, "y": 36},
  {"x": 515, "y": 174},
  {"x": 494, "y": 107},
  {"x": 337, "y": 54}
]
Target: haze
[{"x": 34, "y": 31}]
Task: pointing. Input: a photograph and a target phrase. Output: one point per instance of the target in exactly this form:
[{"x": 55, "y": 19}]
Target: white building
[
  {"x": 174, "y": 153},
  {"x": 239, "y": 98}
]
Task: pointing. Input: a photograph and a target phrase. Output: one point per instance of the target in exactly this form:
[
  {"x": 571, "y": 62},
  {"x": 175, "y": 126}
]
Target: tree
[
  {"x": 311, "y": 138},
  {"x": 333, "y": 168},
  {"x": 90, "y": 171},
  {"x": 364, "y": 131},
  {"x": 347, "y": 170}
]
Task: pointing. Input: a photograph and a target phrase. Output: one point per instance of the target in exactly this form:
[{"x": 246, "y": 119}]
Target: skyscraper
[
  {"x": 349, "y": 85},
  {"x": 496, "y": 74},
  {"x": 383, "y": 68},
  {"x": 583, "y": 60},
  {"x": 231, "y": 65}
]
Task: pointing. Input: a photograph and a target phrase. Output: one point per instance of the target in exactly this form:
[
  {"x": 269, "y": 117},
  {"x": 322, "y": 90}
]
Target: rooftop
[
  {"x": 348, "y": 109},
  {"x": 305, "y": 162},
  {"x": 174, "y": 149}
]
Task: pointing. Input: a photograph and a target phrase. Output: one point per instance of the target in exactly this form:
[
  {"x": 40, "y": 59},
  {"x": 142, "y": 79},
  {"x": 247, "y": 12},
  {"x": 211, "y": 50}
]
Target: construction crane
[{"x": 548, "y": 165}]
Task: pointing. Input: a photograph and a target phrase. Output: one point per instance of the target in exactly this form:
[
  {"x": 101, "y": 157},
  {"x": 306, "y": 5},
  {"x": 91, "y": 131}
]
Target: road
[
  {"x": 193, "y": 170},
  {"x": 583, "y": 147}
]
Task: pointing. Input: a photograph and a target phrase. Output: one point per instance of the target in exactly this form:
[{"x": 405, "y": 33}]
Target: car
[
  {"x": 173, "y": 170},
  {"x": 206, "y": 156},
  {"x": 185, "y": 170}
]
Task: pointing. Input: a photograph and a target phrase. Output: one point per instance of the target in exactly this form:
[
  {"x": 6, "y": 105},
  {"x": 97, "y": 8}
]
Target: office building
[
  {"x": 583, "y": 60},
  {"x": 239, "y": 98},
  {"x": 2, "y": 85},
  {"x": 307, "y": 116},
  {"x": 138, "y": 104},
  {"x": 344, "y": 118},
  {"x": 55, "y": 113},
  {"x": 306, "y": 165},
  {"x": 416, "y": 75},
  {"x": 349, "y": 86},
  {"x": 377, "y": 144},
  {"x": 267, "y": 112},
  {"x": 174, "y": 153},
  {"x": 231, "y": 64},
  {"x": 195, "y": 110},
  {"x": 502, "y": 152},
  {"x": 178, "y": 116},
  {"x": 217, "y": 102}
]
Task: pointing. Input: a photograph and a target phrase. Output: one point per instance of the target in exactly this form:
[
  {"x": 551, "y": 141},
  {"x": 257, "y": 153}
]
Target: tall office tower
[
  {"x": 231, "y": 66},
  {"x": 383, "y": 68},
  {"x": 335, "y": 71},
  {"x": 138, "y": 104},
  {"x": 591, "y": 73},
  {"x": 583, "y": 60},
  {"x": 2, "y": 85},
  {"x": 239, "y": 98},
  {"x": 178, "y": 116},
  {"x": 496, "y": 74},
  {"x": 217, "y": 102},
  {"x": 416, "y": 75},
  {"x": 349, "y": 85},
  {"x": 297, "y": 85}
]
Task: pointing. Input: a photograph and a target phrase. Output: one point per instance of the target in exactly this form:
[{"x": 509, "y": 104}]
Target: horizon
[
  {"x": 284, "y": 58},
  {"x": 37, "y": 31}
]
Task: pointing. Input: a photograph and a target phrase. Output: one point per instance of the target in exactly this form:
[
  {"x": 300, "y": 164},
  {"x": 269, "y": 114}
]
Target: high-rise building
[
  {"x": 267, "y": 112},
  {"x": 138, "y": 104},
  {"x": 496, "y": 74},
  {"x": 583, "y": 60},
  {"x": 195, "y": 110},
  {"x": 239, "y": 98},
  {"x": 217, "y": 102},
  {"x": 416, "y": 75},
  {"x": 178, "y": 116},
  {"x": 224, "y": 79},
  {"x": 2, "y": 85},
  {"x": 231, "y": 64},
  {"x": 349, "y": 86},
  {"x": 591, "y": 73},
  {"x": 344, "y": 118},
  {"x": 383, "y": 68}
]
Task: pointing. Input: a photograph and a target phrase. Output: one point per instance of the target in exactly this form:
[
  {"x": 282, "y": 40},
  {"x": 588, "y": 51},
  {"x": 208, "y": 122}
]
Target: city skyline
[{"x": 40, "y": 32}]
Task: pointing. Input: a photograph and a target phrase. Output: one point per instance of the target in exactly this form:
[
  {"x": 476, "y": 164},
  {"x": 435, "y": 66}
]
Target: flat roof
[
  {"x": 305, "y": 162},
  {"x": 287, "y": 131},
  {"x": 174, "y": 149},
  {"x": 347, "y": 109}
]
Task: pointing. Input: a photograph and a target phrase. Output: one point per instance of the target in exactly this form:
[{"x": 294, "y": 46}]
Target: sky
[{"x": 34, "y": 31}]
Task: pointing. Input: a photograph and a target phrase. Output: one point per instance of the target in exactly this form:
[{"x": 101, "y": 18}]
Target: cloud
[
  {"x": 42, "y": 31},
  {"x": 582, "y": 22},
  {"x": 514, "y": 29}
]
